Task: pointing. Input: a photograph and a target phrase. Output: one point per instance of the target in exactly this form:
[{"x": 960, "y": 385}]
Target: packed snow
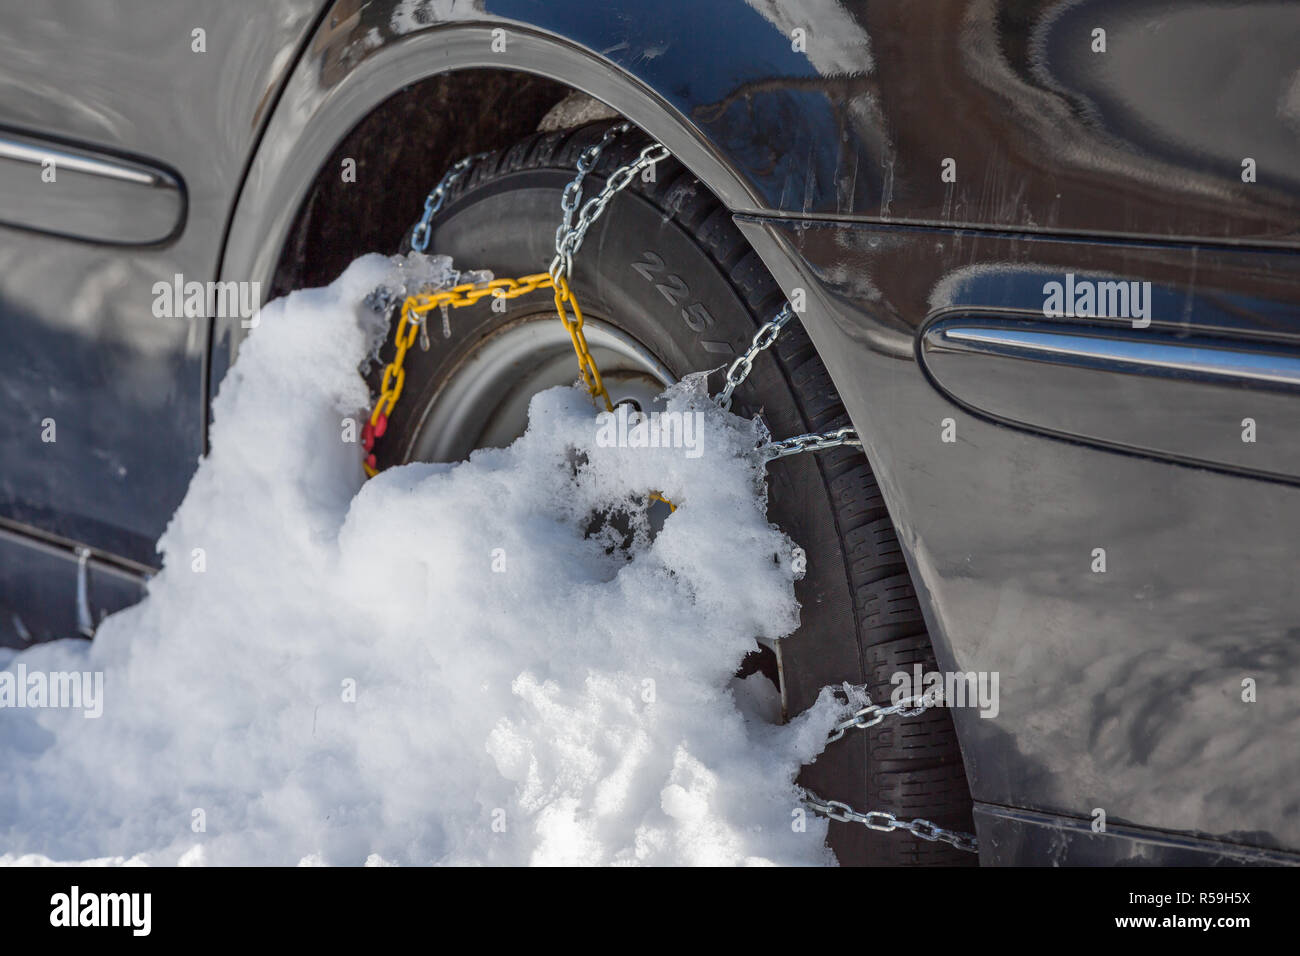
[{"x": 442, "y": 665}]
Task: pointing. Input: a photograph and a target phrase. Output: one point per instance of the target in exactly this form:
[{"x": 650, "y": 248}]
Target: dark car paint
[
  {"x": 79, "y": 343},
  {"x": 1014, "y": 837},
  {"x": 61, "y": 590},
  {"x": 1121, "y": 691},
  {"x": 1161, "y": 390},
  {"x": 101, "y": 197}
]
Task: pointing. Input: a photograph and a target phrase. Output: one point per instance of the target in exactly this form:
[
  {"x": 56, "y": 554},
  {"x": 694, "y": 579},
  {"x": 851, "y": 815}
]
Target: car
[{"x": 1043, "y": 257}]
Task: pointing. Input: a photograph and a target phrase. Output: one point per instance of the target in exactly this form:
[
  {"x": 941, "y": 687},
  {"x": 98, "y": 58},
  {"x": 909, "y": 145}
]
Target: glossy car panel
[
  {"x": 1011, "y": 837},
  {"x": 854, "y": 117},
  {"x": 80, "y": 344},
  {"x": 86, "y": 193},
  {"x": 1120, "y": 689},
  {"x": 49, "y": 591},
  {"x": 1152, "y": 389}
]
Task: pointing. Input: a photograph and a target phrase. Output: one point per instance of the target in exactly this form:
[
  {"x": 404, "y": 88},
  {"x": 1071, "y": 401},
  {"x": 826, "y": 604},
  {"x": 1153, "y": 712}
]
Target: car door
[{"x": 125, "y": 130}]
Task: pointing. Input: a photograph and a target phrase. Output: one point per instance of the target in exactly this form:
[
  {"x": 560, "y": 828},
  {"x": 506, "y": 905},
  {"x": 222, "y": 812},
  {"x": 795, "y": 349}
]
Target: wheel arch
[{"x": 341, "y": 82}]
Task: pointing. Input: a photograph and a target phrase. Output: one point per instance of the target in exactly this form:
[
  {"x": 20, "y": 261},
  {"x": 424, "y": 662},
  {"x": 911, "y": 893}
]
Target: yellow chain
[
  {"x": 586, "y": 364},
  {"x": 656, "y": 496},
  {"x": 408, "y": 327},
  {"x": 416, "y": 307}
]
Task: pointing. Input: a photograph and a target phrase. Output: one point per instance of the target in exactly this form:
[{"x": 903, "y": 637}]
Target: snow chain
[
  {"x": 873, "y": 714},
  {"x": 568, "y": 240},
  {"x": 886, "y": 822},
  {"x": 883, "y": 820}
]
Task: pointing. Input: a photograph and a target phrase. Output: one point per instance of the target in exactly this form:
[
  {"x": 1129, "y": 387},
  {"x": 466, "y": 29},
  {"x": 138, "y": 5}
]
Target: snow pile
[{"x": 443, "y": 665}]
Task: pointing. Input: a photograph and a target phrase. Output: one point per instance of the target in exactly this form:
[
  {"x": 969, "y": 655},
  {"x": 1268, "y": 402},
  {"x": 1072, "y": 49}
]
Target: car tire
[{"x": 667, "y": 266}]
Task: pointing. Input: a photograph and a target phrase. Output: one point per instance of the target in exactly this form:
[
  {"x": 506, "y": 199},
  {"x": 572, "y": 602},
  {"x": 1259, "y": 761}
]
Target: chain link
[
  {"x": 763, "y": 338},
  {"x": 569, "y": 241},
  {"x": 569, "y": 236},
  {"x": 885, "y": 822},
  {"x": 566, "y": 302},
  {"x": 873, "y": 714},
  {"x": 811, "y": 442},
  {"x": 412, "y": 324},
  {"x": 433, "y": 202},
  {"x": 571, "y": 198}
]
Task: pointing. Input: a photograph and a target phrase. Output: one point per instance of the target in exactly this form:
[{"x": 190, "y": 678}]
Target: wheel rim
[{"x": 483, "y": 403}]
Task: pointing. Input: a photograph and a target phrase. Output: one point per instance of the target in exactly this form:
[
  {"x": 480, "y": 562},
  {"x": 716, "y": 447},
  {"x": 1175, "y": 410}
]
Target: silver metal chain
[
  {"x": 883, "y": 820},
  {"x": 571, "y": 198},
  {"x": 886, "y": 822},
  {"x": 873, "y": 714},
  {"x": 433, "y": 202},
  {"x": 568, "y": 238},
  {"x": 811, "y": 442},
  {"x": 763, "y": 338}
]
